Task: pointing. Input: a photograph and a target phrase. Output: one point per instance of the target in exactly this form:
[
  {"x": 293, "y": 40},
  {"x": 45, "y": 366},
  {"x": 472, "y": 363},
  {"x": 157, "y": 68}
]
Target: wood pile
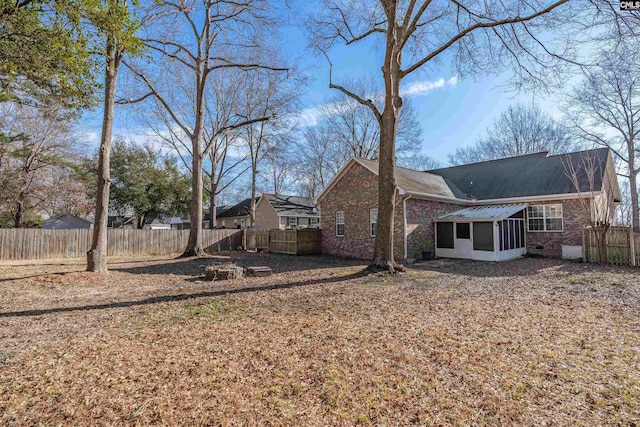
[
  {"x": 223, "y": 272},
  {"x": 261, "y": 271}
]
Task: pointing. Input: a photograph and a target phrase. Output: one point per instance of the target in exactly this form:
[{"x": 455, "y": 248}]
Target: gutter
[{"x": 498, "y": 201}]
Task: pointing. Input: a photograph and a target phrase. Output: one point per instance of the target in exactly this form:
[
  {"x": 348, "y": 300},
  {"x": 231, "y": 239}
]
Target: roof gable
[{"x": 407, "y": 181}]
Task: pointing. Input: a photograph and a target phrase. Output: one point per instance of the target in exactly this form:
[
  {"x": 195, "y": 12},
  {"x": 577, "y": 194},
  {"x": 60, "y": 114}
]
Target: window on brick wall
[
  {"x": 340, "y": 223},
  {"x": 373, "y": 221},
  {"x": 543, "y": 218}
]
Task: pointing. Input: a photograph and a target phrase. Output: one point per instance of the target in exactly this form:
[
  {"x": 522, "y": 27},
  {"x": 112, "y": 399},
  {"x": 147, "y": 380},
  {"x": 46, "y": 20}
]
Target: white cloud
[
  {"x": 309, "y": 117},
  {"x": 425, "y": 87}
]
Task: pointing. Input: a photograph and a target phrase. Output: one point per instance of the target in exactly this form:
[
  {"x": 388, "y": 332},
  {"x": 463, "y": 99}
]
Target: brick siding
[
  {"x": 420, "y": 225},
  {"x": 355, "y": 194},
  {"x": 573, "y": 219}
]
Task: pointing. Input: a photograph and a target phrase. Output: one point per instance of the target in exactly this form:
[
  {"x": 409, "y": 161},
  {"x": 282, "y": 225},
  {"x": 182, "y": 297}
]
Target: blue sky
[{"x": 453, "y": 112}]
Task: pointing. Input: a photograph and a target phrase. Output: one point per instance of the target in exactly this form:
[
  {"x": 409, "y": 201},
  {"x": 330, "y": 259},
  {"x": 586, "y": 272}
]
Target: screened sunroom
[{"x": 483, "y": 233}]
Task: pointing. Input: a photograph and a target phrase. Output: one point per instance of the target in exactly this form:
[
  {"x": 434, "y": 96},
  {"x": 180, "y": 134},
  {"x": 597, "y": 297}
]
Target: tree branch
[{"x": 477, "y": 26}]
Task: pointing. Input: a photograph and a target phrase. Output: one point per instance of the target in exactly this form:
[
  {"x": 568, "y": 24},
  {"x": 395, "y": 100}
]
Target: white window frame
[
  {"x": 340, "y": 221},
  {"x": 373, "y": 214},
  {"x": 314, "y": 221},
  {"x": 544, "y": 218},
  {"x": 295, "y": 224}
]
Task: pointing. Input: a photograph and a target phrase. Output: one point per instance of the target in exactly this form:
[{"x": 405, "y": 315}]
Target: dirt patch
[{"x": 528, "y": 342}]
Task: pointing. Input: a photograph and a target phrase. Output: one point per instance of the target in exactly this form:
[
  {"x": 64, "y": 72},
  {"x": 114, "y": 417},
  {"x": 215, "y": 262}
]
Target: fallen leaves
[{"x": 528, "y": 342}]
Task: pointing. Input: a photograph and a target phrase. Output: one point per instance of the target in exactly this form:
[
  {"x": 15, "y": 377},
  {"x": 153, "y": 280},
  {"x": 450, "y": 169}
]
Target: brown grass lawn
[{"x": 529, "y": 342}]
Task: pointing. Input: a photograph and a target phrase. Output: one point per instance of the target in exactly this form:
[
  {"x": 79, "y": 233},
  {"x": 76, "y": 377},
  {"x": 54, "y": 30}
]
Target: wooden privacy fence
[
  {"x": 24, "y": 244},
  {"x": 293, "y": 242},
  {"x": 622, "y": 246}
]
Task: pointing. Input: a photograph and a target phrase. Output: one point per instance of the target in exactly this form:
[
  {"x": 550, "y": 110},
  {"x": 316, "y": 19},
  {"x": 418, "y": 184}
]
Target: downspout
[{"x": 404, "y": 214}]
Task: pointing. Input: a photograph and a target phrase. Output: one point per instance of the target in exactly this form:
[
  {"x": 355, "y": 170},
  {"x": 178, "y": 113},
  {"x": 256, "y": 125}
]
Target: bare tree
[
  {"x": 267, "y": 95},
  {"x": 212, "y": 36},
  {"x": 592, "y": 182},
  {"x": 604, "y": 108},
  {"x": 419, "y": 162},
  {"x": 37, "y": 160},
  {"x": 521, "y": 129},
  {"x": 280, "y": 163},
  {"x": 483, "y": 36}
]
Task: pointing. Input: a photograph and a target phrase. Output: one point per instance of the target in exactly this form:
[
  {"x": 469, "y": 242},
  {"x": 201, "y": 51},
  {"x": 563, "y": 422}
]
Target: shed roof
[{"x": 484, "y": 213}]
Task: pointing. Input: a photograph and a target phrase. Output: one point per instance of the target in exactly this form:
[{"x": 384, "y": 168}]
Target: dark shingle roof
[
  {"x": 529, "y": 175},
  {"x": 241, "y": 209},
  {"x": 66, "y": 222},
  {"x": 292, "y": 205}
]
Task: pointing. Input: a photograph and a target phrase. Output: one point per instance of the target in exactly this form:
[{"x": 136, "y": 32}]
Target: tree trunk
[
  {"x": 194, "y": 244},
  {"x": 212, "y": 192},
  {"x": 212, "y": 207},
  {"x": 140, "y": 221},
  {"x": 252, "y": 216},
  {"x": 383, "y": 256},
  {"x": 633, "y": 182},
  {"x": 17, "y": 219},
  {"x": 97, "y": 255}
]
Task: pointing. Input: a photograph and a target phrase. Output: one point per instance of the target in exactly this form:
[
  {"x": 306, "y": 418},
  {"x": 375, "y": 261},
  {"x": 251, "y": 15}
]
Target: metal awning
[{"x": 484, "y": 213}]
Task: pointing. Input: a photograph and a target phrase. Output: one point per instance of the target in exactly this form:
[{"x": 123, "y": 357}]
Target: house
[
  {"x": 157, "y": 223},
  {"x": 119, "y": 221},
  {"x": 65, "y": 222},
  {"x": 280, "y": 211},
  {"x": 494, "y": 210},
  {"x": 236, "y": 216}
]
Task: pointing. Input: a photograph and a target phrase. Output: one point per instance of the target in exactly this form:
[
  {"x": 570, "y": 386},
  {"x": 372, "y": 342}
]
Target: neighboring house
[
  {"x": 118, "y": 221},
  {"x": 177, "y": 223},
  {"x": 280, "y": 211},
  {"x": 157, "y": 224},
  {"x": 495, "y": 210},
  {"x": 65, "y": 222},
  {"x": 236, "y": 216}
]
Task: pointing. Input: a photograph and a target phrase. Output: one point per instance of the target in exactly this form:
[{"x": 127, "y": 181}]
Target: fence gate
[
  {"x": 292, "y": 242},
  {"x": 622, "y": 246}
]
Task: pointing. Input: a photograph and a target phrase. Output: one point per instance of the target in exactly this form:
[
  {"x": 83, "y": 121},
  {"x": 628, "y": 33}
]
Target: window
[
  {"x": 483, "y": 236},
  {"x": 444, "y": 235},
  {"x": 292, "y": 221},
  {"x": 373, "y": 221},
  {"x": 545, "y": 218},
  {"x": 243, "y": 223},
  {"x": 340, "y": 223},
  {"x": 313, "y": 222},
  {"x": 463, "y": 230}
]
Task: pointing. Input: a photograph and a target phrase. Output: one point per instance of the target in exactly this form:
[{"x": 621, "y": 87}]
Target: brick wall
[
  {"x": 573, "y": 217},
  {"x": 420, "y": 226},
  {"x": 355, "y": 194}
]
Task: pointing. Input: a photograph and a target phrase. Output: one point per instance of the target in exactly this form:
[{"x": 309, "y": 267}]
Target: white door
[{"x": 464, "y": 248}]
